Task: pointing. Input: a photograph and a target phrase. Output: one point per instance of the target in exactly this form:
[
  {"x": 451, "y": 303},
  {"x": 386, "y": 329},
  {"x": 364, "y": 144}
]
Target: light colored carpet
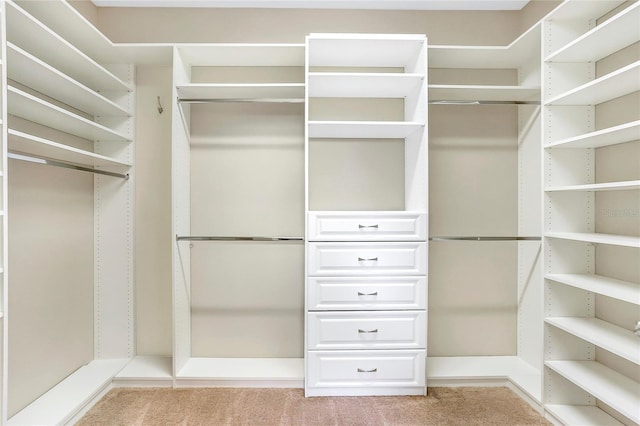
[{"x": 232, "y": 406}]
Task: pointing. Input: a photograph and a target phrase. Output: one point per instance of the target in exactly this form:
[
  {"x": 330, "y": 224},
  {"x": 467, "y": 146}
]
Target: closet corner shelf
[
  {"x": 584, "y": 415},
  {"x": 610, "y": 387},
  {"x": 453, "y": 92},
  {"x": 31, "y": 35},
  {"x": 155, "y": 368},
  {"x": 611, "y": 239},
  {"x": 33, "y": 145},
  {"x": 241, "y": 91},
  {"x": 616, "y": 289},
  {"x": 363, "y": 129},
  {"x": 39, "y": 111},
  {"x": 63, "y": 401},
  {"x": 605, "y": 137},
  {"x": 617, "y": 32},
  {"x": 612, "y": 338},
  {"x": 609, "y": 186},
  {"x": 610, "y": 86},
  {"x": 362, "y": 85},
  {"x": 37, "y": 75}
]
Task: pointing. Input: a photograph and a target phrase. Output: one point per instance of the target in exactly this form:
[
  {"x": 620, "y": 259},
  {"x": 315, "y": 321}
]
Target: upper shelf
[
  {"x": 617, "y": 83},
  {"x": 241, "y": 91},
  {"x": 365, "y": 50},
  {"x": 363, "y": 85},
  {"x": 32, "y": 72},
  {"x": 583, "y": 9},
  {"x": 453, "y": 92},
  {"x": 605, "y": 137},
  {"x": 612, "y": 338},
  {"x": 615, "y": 33},
  {"x": 483, "y": 57},
  {"x": 362, "y": 129},
  {"x": 29, "y": 144},
  {"x": 249, "y": 55},
  {"x": 611, "y": 239},
  {"x": 608, "y": 186},
  {"x": 31, "y": 108},
  {"x": 616, "y": 289},
  {"x": 31, "y": 35}
]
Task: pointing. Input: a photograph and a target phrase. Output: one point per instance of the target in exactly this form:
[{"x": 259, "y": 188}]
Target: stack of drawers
[{"x": 366, "y": 303}]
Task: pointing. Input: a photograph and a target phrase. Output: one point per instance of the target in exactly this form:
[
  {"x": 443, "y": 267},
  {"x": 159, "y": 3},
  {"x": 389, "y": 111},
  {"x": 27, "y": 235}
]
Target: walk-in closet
[{"x": 341, "y": 200}]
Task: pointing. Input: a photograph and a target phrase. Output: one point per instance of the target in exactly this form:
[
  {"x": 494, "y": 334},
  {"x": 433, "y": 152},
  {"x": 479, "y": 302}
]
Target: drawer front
[
  {"x": 366, "y": 368},
  {"x": 348, "y": 259},
  {"x": 367, "y": 226},
  {"x": 366, "y": 330},
  {"x": 370, "y": 293}
]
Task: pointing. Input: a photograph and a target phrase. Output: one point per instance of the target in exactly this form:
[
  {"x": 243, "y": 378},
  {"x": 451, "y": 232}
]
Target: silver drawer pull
[
  {"x": 375, "y": 293},
  {"x": 367, "y": 226},
  {"x": 375, "y": 330},
  {"x": 362, "y": 370},
  {"x": 364, "y": 259}
]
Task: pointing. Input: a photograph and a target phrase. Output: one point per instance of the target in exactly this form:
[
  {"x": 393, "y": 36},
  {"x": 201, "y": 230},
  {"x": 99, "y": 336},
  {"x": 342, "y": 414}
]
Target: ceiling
[{"x": 326, "y": 4}]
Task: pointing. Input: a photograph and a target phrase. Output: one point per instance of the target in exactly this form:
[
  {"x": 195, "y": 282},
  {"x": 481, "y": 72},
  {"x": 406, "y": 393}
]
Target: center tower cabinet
[{"x": 366, "y": 223}]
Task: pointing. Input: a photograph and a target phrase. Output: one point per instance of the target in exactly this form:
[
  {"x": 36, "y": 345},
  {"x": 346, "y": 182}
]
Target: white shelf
[
  {"x": 67, "y": 398},
  {"x": 243, "y": 55},
  {"x": 366, "y": 50},
  {"x": 619, "y": 392},
  {"x": 617, "y": 83},
  {"x": 28, "y": 144},
  {"x": 363, "y": 85},
  {"x": 617, "y": 32},
  {"x": 584, "y": 9},
  {"x": 605, "y": 137},
  {"x": 66, "y": 21},
  {"x": 363, "y": 129},
  {"x": 616, "y": 240},
  {"x": 32, "y": 72},
  {"x": 484, "y": 57},
  {"x": 614, "y": 339},
  {"x": 609, "y": 186},
  {"x": 616, "y": 289},
  {"x": 453, "y": 92},
  {"x": 156, "y": 368},
  {"x": 474, "y": 368},
  {"x": 39, "y": 111},
  {"x": 31, "y": 35},
  {"x": 583, "y": 415},
  {"x": 241, "y": 91},
  {"x": 243, "y": 369}
]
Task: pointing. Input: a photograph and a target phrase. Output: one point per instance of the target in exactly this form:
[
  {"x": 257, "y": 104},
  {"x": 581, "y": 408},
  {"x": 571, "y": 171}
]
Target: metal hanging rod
[
  {"x": 485, "y": 238},
  {"x": 48, "y": 162},
  {"x": 213, "y": 238},
  {"x": 471, "y": 102},
  {"x": 241, "y": 100}
]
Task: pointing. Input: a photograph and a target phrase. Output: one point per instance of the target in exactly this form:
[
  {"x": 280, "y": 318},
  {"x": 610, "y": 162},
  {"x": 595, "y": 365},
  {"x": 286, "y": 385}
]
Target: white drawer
[
  {"x": 348, "y": 259},
  {"x": 366, "y": 330},
  {"x": 370, "y": 293},
  {"x": 367, "y": 226},
  {"x": 337, "y": 369}
]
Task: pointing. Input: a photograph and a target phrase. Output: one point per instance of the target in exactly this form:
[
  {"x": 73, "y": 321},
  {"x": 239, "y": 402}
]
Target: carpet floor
[{"x": 243, "y": 406}]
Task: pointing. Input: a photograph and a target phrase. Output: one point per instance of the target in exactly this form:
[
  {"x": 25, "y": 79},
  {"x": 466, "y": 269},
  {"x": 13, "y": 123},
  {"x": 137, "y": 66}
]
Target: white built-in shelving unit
[
  {"x": 67, "y": 106},
  {"x": 366, "y": 284},
  {"x": 522, "y": 369},
  {"x": 191, "y": 93},
  {"x": 590, "y": 351}
]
